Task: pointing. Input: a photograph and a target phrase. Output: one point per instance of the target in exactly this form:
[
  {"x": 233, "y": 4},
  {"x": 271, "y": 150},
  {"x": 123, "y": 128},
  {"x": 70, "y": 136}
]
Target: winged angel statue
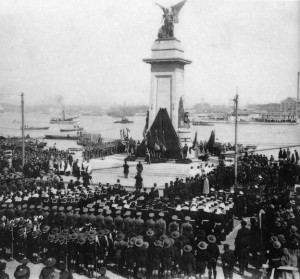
[{"x": 170, "y": 17}]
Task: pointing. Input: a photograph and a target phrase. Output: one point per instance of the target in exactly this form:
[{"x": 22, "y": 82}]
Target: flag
[
  {"x": 157, "y": 148},
  {"x": 163, "y": 142},
  {"x": 195, "y": 142},
  {"x": 150, "y": 141}
]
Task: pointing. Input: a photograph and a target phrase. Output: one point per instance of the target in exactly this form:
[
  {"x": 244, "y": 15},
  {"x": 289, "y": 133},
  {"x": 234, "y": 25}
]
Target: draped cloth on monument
[{"x": 166, "y": 134}]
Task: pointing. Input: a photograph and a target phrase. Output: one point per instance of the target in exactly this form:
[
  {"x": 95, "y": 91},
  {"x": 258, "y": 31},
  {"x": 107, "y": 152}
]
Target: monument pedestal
[{"x": 167, "y": 78}]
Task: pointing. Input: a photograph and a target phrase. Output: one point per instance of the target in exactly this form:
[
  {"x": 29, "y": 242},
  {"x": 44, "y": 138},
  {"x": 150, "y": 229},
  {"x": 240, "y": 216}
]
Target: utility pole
[
  {"x": 236, "y": 100},
  {"x": 23, "y": 139},
  {"x": 298, "y": 87}
]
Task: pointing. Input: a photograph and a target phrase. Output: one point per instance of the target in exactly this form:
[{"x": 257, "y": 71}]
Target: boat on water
[
  {"x": 201, "y": 123},
  {"x": 32, "y": 128},
  {"x": 62, "y": 137},
  {"x": 124, "y": 121},
  {"x": 73, "y": 129},
  {"x": 64, "y": 119}
]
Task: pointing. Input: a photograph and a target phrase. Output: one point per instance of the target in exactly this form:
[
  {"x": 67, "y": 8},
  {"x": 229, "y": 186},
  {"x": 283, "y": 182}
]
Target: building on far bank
[
  {"x": 291, "y": 106},
  {"x": 271, "y": 107}
]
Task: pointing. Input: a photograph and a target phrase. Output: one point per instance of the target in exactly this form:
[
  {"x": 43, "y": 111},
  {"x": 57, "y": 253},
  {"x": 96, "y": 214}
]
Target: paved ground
[{"x": 111, "y": 168}]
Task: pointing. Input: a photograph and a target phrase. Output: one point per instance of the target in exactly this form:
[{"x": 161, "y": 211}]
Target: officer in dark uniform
[
  {"x": 118, "y": 221},
  {"x": 173, "y": 226},
  {"x": 219, "y": 225},
  {"x": 150, "y": 223},
  {"x": 19, "y": 244},
  {"x": 90, "y": 254},
  {"x": 139, "y": 223},
  {"x": 128, "y": 223}
]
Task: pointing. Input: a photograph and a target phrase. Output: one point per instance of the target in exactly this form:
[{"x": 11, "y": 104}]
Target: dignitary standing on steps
[
  {"x": 139, "y": 168},
  {"x": 138, "y": 182},
  {"x": 125, "y": 169}
]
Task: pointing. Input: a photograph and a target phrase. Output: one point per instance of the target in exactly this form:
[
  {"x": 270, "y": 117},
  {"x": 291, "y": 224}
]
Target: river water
[{"x": 264, "y": 136}]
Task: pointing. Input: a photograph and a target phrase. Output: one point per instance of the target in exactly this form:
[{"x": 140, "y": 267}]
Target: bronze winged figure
[{"x": 170, "y": 17}]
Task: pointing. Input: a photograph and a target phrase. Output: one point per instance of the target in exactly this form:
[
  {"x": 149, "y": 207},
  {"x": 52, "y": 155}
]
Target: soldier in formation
[{"x": 85, "y": 230}]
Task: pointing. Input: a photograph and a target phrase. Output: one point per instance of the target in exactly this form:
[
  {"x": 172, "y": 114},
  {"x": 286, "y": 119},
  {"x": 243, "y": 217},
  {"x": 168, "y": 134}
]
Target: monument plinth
[
  {"x": 167, "y": 78},
  {"x": 167, "y": 125}
]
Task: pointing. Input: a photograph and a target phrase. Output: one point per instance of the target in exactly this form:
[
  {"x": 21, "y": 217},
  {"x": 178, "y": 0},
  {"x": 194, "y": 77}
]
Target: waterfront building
[{"x": 291, "y": 106}]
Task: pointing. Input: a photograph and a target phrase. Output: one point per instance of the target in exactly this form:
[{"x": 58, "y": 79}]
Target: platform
[{"x": 111, "y": 168}]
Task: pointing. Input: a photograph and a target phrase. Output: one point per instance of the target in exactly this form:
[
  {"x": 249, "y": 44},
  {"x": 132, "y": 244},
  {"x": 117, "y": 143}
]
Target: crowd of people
[
  {"x": 38, "y": 159},
  {"x": 85, "y": 228},
  {"x": 89, "y": 228},
  {"x": 93, "y": 151}
]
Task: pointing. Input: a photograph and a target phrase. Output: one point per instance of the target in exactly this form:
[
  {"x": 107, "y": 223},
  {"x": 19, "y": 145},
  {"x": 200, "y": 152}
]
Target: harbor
[{"x": 150, "y": 140}]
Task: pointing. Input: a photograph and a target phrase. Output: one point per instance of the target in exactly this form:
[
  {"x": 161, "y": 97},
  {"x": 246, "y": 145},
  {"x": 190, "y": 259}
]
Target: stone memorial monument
[{"x": 167, "y": 74}]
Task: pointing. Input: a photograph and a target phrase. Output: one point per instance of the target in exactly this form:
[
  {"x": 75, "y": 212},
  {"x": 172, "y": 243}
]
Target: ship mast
[{"x": 236, "y": 99}]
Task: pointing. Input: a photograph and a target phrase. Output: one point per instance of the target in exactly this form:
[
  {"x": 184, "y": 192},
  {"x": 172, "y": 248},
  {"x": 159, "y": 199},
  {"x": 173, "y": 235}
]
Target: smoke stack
[{"x": 298, "y": 87}]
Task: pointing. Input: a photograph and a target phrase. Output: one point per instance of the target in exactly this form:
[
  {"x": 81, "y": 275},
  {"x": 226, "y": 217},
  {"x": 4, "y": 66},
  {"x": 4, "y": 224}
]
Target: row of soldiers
[
  {"x": 100, "y": 151},
  {"x": 141, "y": 237}
]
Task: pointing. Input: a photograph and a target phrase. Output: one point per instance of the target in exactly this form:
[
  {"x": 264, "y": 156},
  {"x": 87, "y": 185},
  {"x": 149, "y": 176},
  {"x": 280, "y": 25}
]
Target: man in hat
[
  {"x": 188, "y": 264},
  {"x": 168, "y": 257},
  {"x": 242, "y": 242},
  {"x": 187, "y": 228},
  {"x": 139, "y": 167},
  {"x": 141, "y": 257},
  {"x": 173, "y": 226},
  {"x": 8, "y": 241},
  {"x": 156, "y": 257},
  {"x": 139, "y": 223},
  {"x": 125, "y": 169},
  {"x": 118, "y": 220},
  {"x": 119, "y": 247},
  {"x": 228, "y": 261},
  {"x": 202, "y": 257},
  {"x": 19, "y": 244},
  {"x": 160, "y": 224},
  {"x": 129, "y": 256},
  {"x": 128, "y": 223},
  {"x": 2, "y": 271},
  {"x": 23, "y": 266},
  {"x": 102, "y": 272},
  {"x": 90, "y": 254},
  {"x": 213, "y": 252},
  {"x": 48, "y": 269},
  {"x": 150, "y": 223}
]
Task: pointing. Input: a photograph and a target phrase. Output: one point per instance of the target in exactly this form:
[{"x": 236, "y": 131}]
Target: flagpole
[{"x": 23, "y": 140}]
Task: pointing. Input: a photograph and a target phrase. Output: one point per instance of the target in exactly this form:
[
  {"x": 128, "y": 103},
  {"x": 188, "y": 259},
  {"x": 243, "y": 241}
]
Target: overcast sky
[{"x": 91, "y": 51}]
